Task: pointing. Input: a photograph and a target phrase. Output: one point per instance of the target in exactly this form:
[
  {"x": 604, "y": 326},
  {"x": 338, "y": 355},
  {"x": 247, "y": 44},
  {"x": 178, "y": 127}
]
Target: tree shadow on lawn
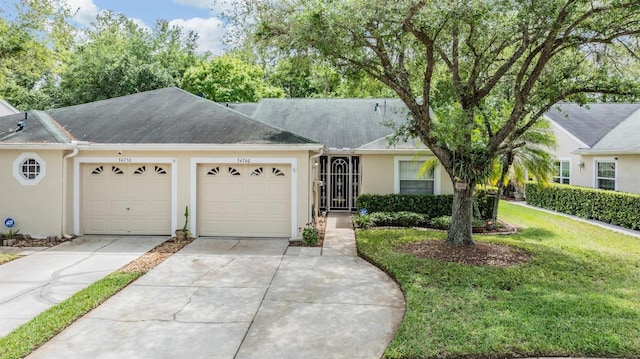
[{"x": 536, "y": 234}]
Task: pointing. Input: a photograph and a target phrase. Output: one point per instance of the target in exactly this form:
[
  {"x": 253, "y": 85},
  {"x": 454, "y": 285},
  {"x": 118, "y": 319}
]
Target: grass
[
  {"x": 5, "y": 257},
  {"x": 579, "y": 296},
  {"x": 47, "y": 324}
]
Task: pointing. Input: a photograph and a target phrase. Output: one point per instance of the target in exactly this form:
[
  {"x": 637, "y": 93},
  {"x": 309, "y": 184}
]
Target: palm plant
[{"x": 529, "y": 155}]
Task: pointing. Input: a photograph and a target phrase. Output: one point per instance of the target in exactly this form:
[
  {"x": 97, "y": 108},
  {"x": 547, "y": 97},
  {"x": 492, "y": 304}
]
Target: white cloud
[
  {"x": 85, "y": 11},
  {"x": 210, "y": 32}
]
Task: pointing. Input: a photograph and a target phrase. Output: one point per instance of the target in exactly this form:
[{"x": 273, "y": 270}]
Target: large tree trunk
[{"x": 461, "y": 217}]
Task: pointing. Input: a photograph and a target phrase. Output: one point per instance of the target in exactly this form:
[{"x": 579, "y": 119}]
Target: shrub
[
  {"x": 621, "y": 209},
  {"x": 398, "y": 219},
  {"x": 310, "y": 236},
  {"x": 427, "y": 204},
  {"x": 361, "y": 221},
  {"x": 442, "y": 222}
]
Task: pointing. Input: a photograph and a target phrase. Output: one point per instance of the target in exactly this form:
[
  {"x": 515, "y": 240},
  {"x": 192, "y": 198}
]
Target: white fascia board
[
  {"x": 200, "y": 147},
  {"x": 569, "y": 134},
  {"x": 590, "y": 152},
  {"x": 390, "y": 151},
  {"x": 37, "y": 146}
]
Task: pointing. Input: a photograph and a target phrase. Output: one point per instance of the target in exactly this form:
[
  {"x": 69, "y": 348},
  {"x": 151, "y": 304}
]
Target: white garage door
[
  {"x": 244, "y": 200},
  {"x": 126, "y": 199}
]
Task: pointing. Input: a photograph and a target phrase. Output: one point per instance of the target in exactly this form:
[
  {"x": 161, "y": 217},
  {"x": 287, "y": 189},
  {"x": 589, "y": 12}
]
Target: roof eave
[
  {"x": 200, "y": 147},
  {"x": 609, "y": 152}
]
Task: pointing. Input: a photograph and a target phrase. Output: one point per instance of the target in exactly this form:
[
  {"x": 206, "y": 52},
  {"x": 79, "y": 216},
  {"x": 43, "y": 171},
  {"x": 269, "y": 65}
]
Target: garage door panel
[
  {"x": 245, "y": 197},
  {"x": 126, "y": 199}
]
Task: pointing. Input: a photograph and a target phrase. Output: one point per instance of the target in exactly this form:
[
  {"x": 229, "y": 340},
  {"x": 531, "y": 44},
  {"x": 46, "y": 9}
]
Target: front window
[
  {"x": 562, "y": 172},
  {"x": 413, "y": 181},
  {"x": 606, "y": 175},
  {"x": 29, "y": 169}
]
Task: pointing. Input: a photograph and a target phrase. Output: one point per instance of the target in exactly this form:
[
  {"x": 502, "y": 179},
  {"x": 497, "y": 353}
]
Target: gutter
[
  {"x": 313, "y": 183},
  {"x": 64, "y": 184}
]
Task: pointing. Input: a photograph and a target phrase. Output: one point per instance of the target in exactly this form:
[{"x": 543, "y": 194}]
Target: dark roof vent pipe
[{"x": 22, "y": 125}]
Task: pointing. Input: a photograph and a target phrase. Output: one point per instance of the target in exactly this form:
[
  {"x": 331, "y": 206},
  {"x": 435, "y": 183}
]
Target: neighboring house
[
  {"x": 598, "y": 145},
  {"x": 6, "y": 108},
  {"x": 130, "y": 165}
]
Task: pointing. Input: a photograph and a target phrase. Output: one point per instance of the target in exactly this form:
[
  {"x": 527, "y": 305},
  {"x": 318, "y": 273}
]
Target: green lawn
[
  {"x": 579, "y": 296},
  {"x": 4, "y": 257}
]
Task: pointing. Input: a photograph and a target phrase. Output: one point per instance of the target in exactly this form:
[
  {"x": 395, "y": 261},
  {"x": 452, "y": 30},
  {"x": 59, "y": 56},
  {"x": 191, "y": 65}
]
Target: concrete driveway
[
  {"x": 230, "y": 298},
  {"x": 40, "y": 280}
]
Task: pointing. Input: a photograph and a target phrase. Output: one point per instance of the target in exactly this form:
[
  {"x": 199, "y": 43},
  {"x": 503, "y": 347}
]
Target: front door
[{"x": 341, "y": 175}]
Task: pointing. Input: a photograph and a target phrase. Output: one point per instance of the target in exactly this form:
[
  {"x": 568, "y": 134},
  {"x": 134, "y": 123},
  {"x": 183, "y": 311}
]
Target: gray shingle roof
[
  {"x": 622, "y": 138},
  {"x": 337, "y": 123},
  {"x": 593, "y": 122},
  {"x": 39, "y": 129},
  {"x": 168, "y": 115}
]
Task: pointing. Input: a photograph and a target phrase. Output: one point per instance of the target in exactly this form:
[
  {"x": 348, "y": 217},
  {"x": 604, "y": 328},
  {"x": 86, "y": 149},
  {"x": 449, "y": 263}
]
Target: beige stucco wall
[
  {"x": 378, "y": 174},
  {"x": 37, "y": 209},
  {"x": 581, "y": 175},
  {"x": 627, "y": 166},
  {"x": 184, "y": 173},
  {"x": 628, "y": 173}
]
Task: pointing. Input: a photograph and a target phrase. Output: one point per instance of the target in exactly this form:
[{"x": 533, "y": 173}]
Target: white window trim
[
  {"x": 17, "y": 169},
  {"x": 77, "y": 161},
  {"x": 396, "y": 172},
  {"x": 243, "y": 161},
  {"x": 565, "y": 159},
  {"x": 595, "y": 170}
]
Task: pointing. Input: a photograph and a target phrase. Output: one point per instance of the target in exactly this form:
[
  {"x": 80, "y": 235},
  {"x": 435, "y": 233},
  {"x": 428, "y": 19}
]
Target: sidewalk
[{"x": 339, "y": 239}]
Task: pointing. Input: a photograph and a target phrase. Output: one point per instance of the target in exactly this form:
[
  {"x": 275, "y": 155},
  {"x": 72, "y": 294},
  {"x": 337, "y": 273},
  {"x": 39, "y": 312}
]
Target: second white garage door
[{"x": 244, "y": 200}]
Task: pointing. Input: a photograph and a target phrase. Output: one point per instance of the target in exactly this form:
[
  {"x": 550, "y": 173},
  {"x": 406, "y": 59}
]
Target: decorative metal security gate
[{"x": 341, "y": 178}]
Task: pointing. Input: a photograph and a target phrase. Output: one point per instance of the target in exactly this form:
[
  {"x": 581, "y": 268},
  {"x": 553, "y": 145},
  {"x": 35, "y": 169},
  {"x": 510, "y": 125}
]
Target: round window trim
[{"x": 29, "y": 169}]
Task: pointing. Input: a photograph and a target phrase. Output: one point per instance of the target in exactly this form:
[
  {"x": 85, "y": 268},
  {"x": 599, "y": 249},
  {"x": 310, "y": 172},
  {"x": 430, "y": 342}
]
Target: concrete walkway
[
  {"x": 47, "y": 276},
  {"x": 245, "y": 298}
]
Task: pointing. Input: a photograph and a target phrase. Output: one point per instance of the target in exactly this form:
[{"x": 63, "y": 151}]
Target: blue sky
[{"x": 200, "y": 16}]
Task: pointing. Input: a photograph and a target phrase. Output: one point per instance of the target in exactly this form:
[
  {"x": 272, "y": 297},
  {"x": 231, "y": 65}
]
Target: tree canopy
[
  {"x": 119, "y": 58},
  {"x": 228, "y": 78},
  {"x": 475, "y": 75}
]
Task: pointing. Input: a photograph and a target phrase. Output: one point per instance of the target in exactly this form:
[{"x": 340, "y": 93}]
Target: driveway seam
[{"x": 264, "y": 296}]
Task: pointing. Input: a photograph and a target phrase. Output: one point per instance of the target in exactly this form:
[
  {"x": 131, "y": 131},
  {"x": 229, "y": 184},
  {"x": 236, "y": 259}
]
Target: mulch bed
[
  {"x": 157, "y": 255},
  {"x": 487, "y": 254},
  {"x": 26, "y": 241}
]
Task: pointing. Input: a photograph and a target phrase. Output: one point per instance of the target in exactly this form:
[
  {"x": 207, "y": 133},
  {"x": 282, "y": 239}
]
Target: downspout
[
  {"x": 64, "y": 186},
  {"x": 313, "y": 183}
]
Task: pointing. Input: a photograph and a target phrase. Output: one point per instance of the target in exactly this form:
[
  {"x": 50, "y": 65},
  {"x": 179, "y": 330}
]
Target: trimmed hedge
[
  {"x": 427, "y": 204},
  {"x": 430, "y": 205},
  {"x": 398, "y": 219},
  {"x": 618, "y": 208}
]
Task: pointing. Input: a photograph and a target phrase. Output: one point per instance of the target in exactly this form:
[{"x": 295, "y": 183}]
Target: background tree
[
  {"x": 228, "y": 78},
  {"x": 34, "y": 48},
  {"x": 452, "y": 62},
  {"x": 118, "y": 57}
]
